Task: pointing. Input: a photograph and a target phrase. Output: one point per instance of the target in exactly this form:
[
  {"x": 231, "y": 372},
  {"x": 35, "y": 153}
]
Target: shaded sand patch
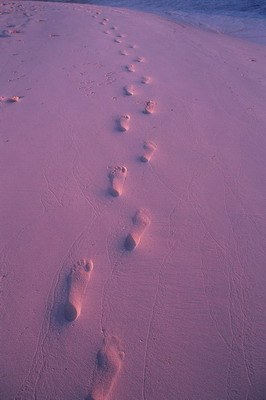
[
  {"x": 77, "y": 283},
  {"x": 117, "y": 179},
  {"x": 149, "y": 149},
  {"x": 140, "y": 222},
  {"x": 108, "y": 365}
]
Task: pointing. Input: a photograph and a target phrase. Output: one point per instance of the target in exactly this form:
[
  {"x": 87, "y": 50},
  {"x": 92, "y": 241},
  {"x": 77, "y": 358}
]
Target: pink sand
[{"x": 188, "y": 304}]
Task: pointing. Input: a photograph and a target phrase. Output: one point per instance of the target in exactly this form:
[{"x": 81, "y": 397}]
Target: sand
[{"x": 182, "y": 316}]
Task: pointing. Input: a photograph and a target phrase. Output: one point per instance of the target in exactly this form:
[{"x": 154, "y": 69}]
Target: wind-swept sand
[{"x": 187, "y": 306}]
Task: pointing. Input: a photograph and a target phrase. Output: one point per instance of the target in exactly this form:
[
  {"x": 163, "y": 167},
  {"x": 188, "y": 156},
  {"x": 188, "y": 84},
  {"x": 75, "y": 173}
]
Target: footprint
[
  {"x": 140, "y": 59},
  {"x": 149, "y": 149},
  {"x": 117, "y": 40},
  {"x": 140, "y": 222},
  {"x": 117, "y": 178},
  {"x": 77, "y": 283},
  {"x": 103, "y": 23},
  {"x": 14, "y": 99},
  {"x": 124, "y": 122},
  {"x": 131, "y": 68},
  {"x": 145, "y": 79},
  {"x": 107, "y": 32},
  {"x": 149, "y": 107},
  {"x": 129, "y": 90},
  {"x": 121, "y": 35},
  {"x": 108, "y": 364},
  {"x": 114, "y": 28},
  {"x": 124, "y": 52},
  {"x": 132, "y": 46}
]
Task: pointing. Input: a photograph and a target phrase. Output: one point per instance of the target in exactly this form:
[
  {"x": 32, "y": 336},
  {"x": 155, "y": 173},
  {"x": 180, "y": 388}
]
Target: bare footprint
[
  {"x": 140, "y": 59},
  {"x": 121, "y": 35},
  {"x": 108, "y": 364},
  {"x": 145, "y": 79},
  {"x": 77, "y": 283},
  {"x": 107, "y": 32},
  {"x": 14, "y": 99},
  {"x": 114, "y": 28},
  {"x": 149, "y": 149},
  {"x": 129, "y": 90},
  {"x": 132, "y": 46},
  {"x": 149, "y": 107},
  {"x": 131, "y": 68},
  {"x": 117, "y": 179},
  {"x": 123, "y": 122},
  {"x": 117, "y": 40},
  {"x": 123, "y": 52},
  {"x": 140, "y": 222}
]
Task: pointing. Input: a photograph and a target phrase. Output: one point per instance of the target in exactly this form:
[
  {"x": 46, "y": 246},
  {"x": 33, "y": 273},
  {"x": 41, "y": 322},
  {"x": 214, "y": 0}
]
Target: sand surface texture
[{"x": 181, "y": 316}]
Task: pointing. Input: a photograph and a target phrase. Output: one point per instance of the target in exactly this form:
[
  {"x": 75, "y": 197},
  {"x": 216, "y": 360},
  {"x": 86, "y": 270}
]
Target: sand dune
[{"x": 182, "y": 316}]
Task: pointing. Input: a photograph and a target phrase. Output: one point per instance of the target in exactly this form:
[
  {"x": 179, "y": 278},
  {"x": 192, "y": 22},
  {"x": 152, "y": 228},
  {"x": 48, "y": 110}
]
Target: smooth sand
[{"x": 188, "y": 304}]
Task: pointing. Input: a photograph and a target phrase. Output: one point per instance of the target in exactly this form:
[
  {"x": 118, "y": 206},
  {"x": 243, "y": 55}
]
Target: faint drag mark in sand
[
  {"x": 166, "y": 259},
  {"x": 141, "y": 221},
  {"x": 77, "y": 283},
  {"x": 117, "y": 177},
  {"x": 108, "y": 364},
  {"x": 239, "y": 315}
]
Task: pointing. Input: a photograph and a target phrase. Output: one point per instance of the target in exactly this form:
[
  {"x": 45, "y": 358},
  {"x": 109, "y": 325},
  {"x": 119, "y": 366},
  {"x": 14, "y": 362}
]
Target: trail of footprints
[{"x": 110, "y": 357}]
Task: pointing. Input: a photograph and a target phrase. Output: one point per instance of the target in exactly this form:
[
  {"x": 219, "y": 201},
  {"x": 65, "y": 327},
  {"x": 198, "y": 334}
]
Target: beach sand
[{"x": 174, "y": 307}]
